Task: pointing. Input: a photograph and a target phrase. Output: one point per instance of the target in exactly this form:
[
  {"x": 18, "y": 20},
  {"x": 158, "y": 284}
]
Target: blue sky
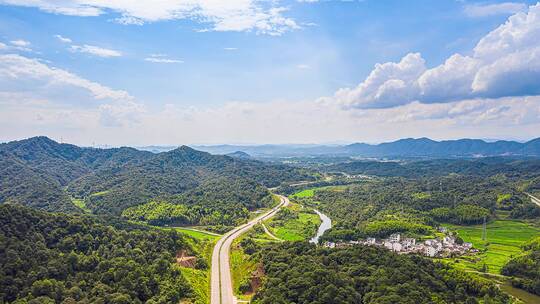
[{"x": 247, "y": 71}]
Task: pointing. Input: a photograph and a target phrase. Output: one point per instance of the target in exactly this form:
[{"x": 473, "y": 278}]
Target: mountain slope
[
  {"x": 172, "y": 173},
  {"x": 65, "y": 162},
  {"x": 42, "y": 173},
  {"x": 56, "y": 258},
  {"x": 21, "y": 184}
]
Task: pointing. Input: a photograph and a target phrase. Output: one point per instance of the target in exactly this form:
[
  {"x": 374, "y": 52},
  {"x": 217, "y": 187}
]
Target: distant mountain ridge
[
  {"x": 408, "y": 147},
  {"x": 447, "y": 148}
]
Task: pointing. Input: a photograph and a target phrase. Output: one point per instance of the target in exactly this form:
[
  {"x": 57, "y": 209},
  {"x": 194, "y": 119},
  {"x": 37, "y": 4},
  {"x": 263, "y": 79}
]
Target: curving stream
[{"x": 325, "y": 225}]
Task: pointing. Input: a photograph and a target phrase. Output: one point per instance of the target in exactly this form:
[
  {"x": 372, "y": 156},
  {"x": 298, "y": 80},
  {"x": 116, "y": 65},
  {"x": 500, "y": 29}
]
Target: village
[{"x": 442, "y": 247}]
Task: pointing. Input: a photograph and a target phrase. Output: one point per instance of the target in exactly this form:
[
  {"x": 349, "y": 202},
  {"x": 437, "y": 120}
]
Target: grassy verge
[
  {"x": 200, "y": 282},
  {"x": 202, "y": 243},
  {"x": 200, "y": 279},
  {"x": 504, "y": 238},
  {"x": 242, "y": 266},
  {"x": 197, "y": 234}
]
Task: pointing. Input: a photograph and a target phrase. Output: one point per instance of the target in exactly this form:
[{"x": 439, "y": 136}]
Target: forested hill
[
  {"x": 488, "y": 166},
  {"x": 172, "y": 173},
  {"x": 302, "y": 273},
  {"x": 65, "y": 162},
  {"x": 42, "y": 173},
  {"x": 54, "y": 258}
]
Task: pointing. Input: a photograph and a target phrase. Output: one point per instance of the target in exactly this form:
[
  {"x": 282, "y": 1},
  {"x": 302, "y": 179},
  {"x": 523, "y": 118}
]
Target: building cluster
[{"x": 444, "y": 247}]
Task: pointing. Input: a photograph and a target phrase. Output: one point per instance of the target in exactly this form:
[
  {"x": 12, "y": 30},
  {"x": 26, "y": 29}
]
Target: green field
[
  {"x": 311, "y": 192},
  {"x": 297, "y": 229},
  {"x": 305, "y": 193},
  {"x": 504, "y": 238}
]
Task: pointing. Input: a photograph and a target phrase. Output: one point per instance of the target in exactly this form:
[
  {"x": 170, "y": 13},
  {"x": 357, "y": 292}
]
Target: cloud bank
[
  {"x": 492, "y": 92},
  {"x": 265, "y": 17},
  {"x": 504, "y": 63}
]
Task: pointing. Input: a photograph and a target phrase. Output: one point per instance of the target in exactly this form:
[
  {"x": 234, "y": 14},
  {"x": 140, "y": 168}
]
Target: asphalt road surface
[
  {"x": 221, "y": 280},
  {"x": 534, "y": 199}
]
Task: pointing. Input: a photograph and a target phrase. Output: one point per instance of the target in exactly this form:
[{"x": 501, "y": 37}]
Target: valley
[{"x": 231, "y": 229}]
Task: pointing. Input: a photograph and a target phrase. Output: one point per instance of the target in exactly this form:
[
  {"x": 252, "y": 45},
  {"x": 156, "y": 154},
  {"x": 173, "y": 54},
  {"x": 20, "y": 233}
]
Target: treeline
[
  {"x": 302, "y": 273},
  {"x": 463, "y": 214},
  {"x": 55, "y": 258},
  {"x": 482, "y": 167},
  {"x": 526, "y": 268}
]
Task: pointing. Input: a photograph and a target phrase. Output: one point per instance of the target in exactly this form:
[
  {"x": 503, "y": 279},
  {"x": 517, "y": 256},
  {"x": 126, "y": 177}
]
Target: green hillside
[
  {"x": 55, "y": 258},
  {"x": 42, "y": 173}
]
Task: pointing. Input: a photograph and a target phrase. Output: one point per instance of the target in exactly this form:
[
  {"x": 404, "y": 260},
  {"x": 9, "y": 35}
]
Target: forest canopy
[
  {"x": 55, "y": 258},
  {"x": 305, "y": 274}
]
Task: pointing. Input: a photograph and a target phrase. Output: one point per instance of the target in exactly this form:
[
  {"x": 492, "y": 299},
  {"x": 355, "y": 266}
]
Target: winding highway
[
  {"x": 221, "y": 281},
  {"x": 534, "y": 199}
]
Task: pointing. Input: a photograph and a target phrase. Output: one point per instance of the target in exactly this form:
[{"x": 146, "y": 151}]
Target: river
[{"x": 325, "y": 225}]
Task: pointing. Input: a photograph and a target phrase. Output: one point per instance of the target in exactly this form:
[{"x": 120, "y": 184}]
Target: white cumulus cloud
[
  {"x": 23, "y": 69},
  {"x": 32, "y": 86},
  {"x": 389, "y": 84},
  {"x": 504, "y": 63}
]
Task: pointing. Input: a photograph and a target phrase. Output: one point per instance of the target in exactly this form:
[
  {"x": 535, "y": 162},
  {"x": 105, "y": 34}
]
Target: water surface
[{"x": 325, "y": 225}]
